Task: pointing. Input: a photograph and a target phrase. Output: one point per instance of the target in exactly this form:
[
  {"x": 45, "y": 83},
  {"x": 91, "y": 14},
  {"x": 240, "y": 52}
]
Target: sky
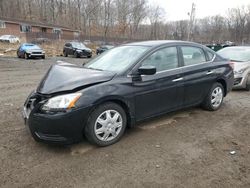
[{"x": 178, "y": 9}]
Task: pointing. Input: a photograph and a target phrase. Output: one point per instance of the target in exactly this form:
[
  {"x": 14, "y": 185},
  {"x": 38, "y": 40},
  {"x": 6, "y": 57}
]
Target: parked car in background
[
  {"x": 41, "y": 41},
  {"x": 9, "y": 39},
  {"x": 214, "y": 47},
  {"x": 77, "y": 49},
  {"x": 127, "y": 84},
  {"x": 28, "y": 50},
  {"x": 240, "y": 58},
  {"x": 103, "y": 48}
]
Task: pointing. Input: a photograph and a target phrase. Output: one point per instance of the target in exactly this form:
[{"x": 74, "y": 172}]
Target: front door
[{"x": 161, "y": 92}]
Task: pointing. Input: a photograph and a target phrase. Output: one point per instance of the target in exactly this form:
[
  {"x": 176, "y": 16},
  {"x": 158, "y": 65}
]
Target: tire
[
  {"x": 208, "y": 103},
  {"x": 75, "y": 55},
  {"x": 26, "y": 56},
  {"x": 65, "y": 54},
  {"x": 43, "y": 57},
  {"x": 90, "y": 56},
  {"x": 248, "y": 83},
  {"x": 109, "y": 132}
]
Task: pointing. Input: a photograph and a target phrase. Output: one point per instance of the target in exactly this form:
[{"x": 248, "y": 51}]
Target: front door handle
[
  {"x": 209, "y": 72},
  {"x": 177, "y": 79}
]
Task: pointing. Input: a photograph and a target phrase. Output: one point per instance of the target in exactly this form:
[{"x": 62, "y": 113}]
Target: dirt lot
[{"x": 189, "y": 148}]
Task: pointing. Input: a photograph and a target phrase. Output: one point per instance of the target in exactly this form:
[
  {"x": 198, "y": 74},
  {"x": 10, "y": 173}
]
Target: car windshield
[
  {"x": 240, "y": 54},
  {"x": 78, "y": 45},
  {"x": 117, "y": 59},
  {"x": 31, "y": 46},
  {"x": 5, "y": 36}
]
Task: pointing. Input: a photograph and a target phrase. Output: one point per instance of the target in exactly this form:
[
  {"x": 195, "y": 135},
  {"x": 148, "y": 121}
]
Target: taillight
[{"x": 231, "y": 63}]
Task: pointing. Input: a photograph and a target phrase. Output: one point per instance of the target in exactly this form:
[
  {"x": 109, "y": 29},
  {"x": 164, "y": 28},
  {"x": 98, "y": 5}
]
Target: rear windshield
[{"x": 236, "y": 54}]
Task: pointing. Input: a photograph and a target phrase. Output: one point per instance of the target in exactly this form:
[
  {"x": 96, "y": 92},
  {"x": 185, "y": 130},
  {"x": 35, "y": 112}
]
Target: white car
[{"x": 9, "y": 39}]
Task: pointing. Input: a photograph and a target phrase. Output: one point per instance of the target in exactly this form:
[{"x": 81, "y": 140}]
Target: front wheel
[
  {"x": 214, "y": 99},
  {"x": 26, "y": 56},
  {"x": 65, "y": 54},
  {"x": 248, "y": 83},
  {"x": 106, "y": 124}
]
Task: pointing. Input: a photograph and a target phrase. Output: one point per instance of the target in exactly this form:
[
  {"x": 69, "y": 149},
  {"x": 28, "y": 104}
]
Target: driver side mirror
[{"x": 147, "y": 70}]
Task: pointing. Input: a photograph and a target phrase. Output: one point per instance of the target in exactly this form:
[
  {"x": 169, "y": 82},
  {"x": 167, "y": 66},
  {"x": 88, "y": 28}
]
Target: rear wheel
[
  {"x": 106, "y": 124},
  {"x": 214, "y": 99}
]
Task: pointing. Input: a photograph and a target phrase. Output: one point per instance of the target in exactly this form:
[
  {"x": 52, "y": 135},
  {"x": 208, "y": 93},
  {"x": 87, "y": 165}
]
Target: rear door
[
  {"x": 198, "y": 74},
  {"x": 162, "y": 91}
]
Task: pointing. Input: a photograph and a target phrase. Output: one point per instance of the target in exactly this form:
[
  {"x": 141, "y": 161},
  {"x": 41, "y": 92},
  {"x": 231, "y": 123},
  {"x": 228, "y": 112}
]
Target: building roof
[{"x": 35, "y": 23}]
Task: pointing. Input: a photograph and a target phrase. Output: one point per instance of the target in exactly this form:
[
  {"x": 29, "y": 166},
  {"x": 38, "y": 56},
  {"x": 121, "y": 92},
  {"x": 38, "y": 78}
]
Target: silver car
[{"x": 240, "y": 58}]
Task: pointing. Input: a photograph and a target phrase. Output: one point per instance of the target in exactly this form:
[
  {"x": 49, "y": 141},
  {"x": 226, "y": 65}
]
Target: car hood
[
  {"x": 67, "y": 77},
  {"x": 241, "y": 65},
  {"x": 87, "y": 49}
]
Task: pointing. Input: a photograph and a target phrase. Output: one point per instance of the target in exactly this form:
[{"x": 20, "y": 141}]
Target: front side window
[
  {"x": 192, "y": 55},
  {"x": 25, "y": 28},
  {"x": 163, "y": 59}
]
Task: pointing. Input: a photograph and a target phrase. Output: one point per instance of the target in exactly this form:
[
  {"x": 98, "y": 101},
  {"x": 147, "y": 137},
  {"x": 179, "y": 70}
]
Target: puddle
[{"x": 81, "y": 148}]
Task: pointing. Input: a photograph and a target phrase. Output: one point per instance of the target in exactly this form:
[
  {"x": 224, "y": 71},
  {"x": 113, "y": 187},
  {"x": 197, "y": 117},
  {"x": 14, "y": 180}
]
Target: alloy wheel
[{"x": 217, "y": 97}]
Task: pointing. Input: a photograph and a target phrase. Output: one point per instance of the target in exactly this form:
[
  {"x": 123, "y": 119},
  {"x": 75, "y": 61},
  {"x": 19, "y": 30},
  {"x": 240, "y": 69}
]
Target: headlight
[
  {"x": 62, "y": 102},
  {"x": 28, "y": 51},
  {"x": 241, "y": 71},
  {"x": 43, "y": 52},
  {"x": 79, "y": 50}
]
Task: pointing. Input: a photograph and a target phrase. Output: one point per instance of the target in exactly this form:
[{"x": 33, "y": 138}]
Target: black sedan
[
  {"x": 126, "y": 85},
  {"x": 104, "y": 48},
  {"x": 77, "y": 49},
  {"x": 28, "y": 50}
]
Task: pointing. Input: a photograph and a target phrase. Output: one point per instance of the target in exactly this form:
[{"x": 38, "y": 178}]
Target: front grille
[
  {"x": 34, "y": 99},
  {"x": 85, "y": 53},
  {"x": 237, "y": 81},
  {"x": 36, "y": 52}
]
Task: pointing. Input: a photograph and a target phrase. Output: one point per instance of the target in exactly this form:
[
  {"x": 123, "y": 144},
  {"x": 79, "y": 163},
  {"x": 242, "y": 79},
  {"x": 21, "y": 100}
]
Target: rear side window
[
  {"x": 192, "y": 55},
  {"x": 163, "y": 59}
]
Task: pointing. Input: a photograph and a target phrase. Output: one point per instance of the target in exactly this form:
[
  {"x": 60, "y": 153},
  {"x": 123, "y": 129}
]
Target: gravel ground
[{"x": 188, "y": 148}]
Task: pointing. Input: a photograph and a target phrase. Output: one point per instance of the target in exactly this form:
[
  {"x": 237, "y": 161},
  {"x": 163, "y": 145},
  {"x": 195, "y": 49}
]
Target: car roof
[
  {"x": 155, "y": 43},
  {"x": 237, "y": 47}
]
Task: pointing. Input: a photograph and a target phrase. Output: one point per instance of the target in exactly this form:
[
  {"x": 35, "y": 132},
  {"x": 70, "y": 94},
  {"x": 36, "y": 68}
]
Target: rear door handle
[
  {"x": 209, "y": 72},
  {"x": 177, "y": 79}
]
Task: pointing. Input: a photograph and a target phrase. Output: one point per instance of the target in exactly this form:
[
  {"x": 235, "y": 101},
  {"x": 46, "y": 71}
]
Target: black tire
[
  {"x": 76, "y": 55},
  {"x": 207, "y": 103},
  {"x": 90, "y": 56},
  {"x": 65, "y": 54},
  {"x": 248, "y": 83},
  {"x": 89, "y": 129},
  {"x": 43, "y": 57},
  {"x": 26, "y": 56}
]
